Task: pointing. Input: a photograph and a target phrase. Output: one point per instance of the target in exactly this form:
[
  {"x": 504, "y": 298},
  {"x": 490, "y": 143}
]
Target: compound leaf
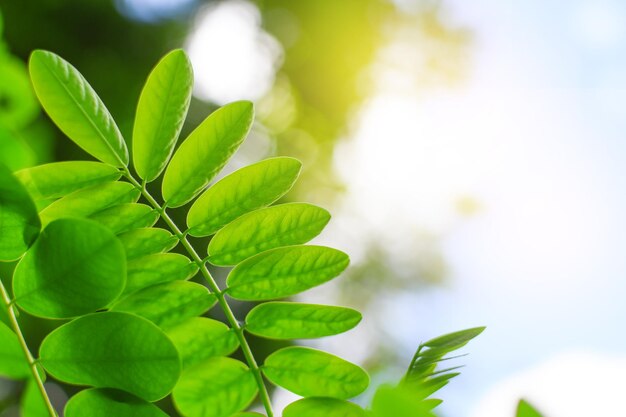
[
  {"x": 75, "y": 108},
  {"x": 161, "y": 113},
  {"x": 154, "y": 269},
  {"x": 218, "y": 387},
  {"x": 106, "y": 402},
  {"x": 244, "y": 190},
  {"x": 147, "y": 241},
  {"x": 323, "y": 407},
  {"x": 313, "y": 373},
  {"x": 268, "y": 228},
  {"x": 12, "y": 361},
  {"x": 113, "y": 350},
  {"x": 19, "y": 222},
  {"x": 205, "y": 152},
  {"x": 285, "y": 271},
  {"x": 199, "y": 338},
  {"x": 57, "y": 179},
  {"x": 125, "y": 217},
  {"x": 169, "y": 303},
  {"x": 75, "y": 267},
  {"x": 284, "y": 320}
]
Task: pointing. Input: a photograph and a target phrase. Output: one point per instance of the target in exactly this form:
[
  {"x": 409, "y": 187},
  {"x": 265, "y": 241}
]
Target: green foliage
[
  {"x": 524, "y": 409},
  {"x": 12, "y": 363},
  {"x": 322, "y": 407},
  {"x": 97, "y": 402}
]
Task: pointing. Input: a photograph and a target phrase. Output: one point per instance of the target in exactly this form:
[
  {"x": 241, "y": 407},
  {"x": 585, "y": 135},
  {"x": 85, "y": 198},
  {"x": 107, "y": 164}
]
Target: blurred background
[{"x": 473, "y": 155}]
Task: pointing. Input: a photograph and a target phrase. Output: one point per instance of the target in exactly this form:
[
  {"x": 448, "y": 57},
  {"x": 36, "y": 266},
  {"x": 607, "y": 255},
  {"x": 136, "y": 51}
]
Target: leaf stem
[
  {"x": 221, "y": 300},
  {"x": 32, "y": 363}
]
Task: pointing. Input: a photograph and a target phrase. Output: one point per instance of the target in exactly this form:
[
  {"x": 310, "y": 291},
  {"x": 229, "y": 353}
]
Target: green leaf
[
  {"x": 322, "y": 407},
  {"x": 76, "y": 266},
  {"x": 85, "y": 202},
  {"x": 399, "y": 401},
  {"x": 453, "y": 341},
  {"x": 524, "y": 409},
  {"x": 218, "y": 387},
  {"x": 57, "y": 179},
  {"x": 282, "y": 320},
  {"x": 200, "y": 338},
  {"x": 12, "y": 361},
  {"x": 125, "y": 217},
  {"x": 32, "y": 403},
  {"x": 96, "y": 402},
  {"x": 169, "y": 303},
  {"x": 155, "y": 269},
  {"x": 205, "y": 152},
  {"x": 19, "y": 222},
  {"x": 113, "y": 350},
  {"x": 313, "y": 373},
  {"x": 147, "y": 241},
  {"x": 244, "y": 190},
  {"x": 285, "y": 271},
  {"x": 269, "y": 228},
  {"x": 75, "y": 108},
  {"x": 161, "y": 113}
]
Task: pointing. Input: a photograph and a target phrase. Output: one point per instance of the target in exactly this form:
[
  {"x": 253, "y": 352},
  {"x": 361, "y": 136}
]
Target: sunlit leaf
[
  {"x": 323, "y": 407},
  {"x": 75, "y": 108},
  {"x": 200, "y": 338},
  {"x": 75, "y": 267},
  {"x": 269, "y": 228},
  {"x": 85, "y": 202},
  {"x": 154, "y": 269},
  {"x": 205, "y": 152},
  {"x": 106, "y": 402},
  {"x": 313, "y": 373},
  {"x": 57, "y": 179},
  {"x": 168, "y": 303},
  {"x": 244, "y": 190},
  {"x": 285, "y": 271},
  {"x": 524, "y": 409},
  {"x": 19, "y": 222},
  {"x": 147, "y": 241},
  {"x": 218, "y": 387},
  {"x": 454, "y": 341},
  {"x": 161, "y": 113},
  {"x": 282, "y": 320},
  {"x": 12, "y": 360},
  {"x": 399, "y": 401},
  {"x": 125, "y": 217},
  {"x": 113, "y": 350}
]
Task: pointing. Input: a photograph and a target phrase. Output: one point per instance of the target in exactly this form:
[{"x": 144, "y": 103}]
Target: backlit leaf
[
  {"x": 283, "y": 320},
  {"x": 398, "y": 401},
  {"x": 244, "y": 190},
  {"x": 106, "y": 402},
  {"x": 12, "y": 360},
  {"x": 19, "y": 222},
  {"x": 205, "y": 152},
  {"x": 169, "y": 303},
  {"x": 268, "y": 228},
  {"x": 200, "y": 338},
  {"x": 323, "y": 407},
  {"x": 313, "y": 373},
  {"x": 75, "y": 267},
  {"x": 75, "y": 108},
  {"x": 113, "y": 350},
  {"x": 125, "y": 217},
  {"x": 454, "y": 341},
  {"x": 154, "y": 269},
  {"x": 147, "y": 241},
  {"x": 218, "y": 387},
  {"x": 285, "y": 271},
  {"x": 57, "y": 179},
  {"x": 161, "y": 113},
  {"x": 524, "y": 409}
]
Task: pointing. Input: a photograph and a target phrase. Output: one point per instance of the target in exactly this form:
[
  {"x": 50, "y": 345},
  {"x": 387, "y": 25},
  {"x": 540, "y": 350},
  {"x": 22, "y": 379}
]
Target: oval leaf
[
  {"x": 19, "y": 222},
  {"x": 76, "y": 266},
  {"x": 281, "y": 320},
  {"x": 84, "y": 203},
  {"x": 161, "y": 113},
  {"x": 313, "y": 373},
  {"x": 285, "y": 271},
  {"x": 244, "y": 190},
  {"x": 57, "y": 179},
  {"x": 147, "y": 241},
  {"x": 322, "y": 407},
  {"x": 125, "y": 217},
  {"x": 154, "y": 269},
  {"x": 106, "y": 402},
  {"x": 205, "y": 152},
  {"x": 169, "y": 303},
  {"x": 113, "y": 350},
  {"x": 12, "y": 360},
  {"x": 269, "y": 228},
  {"x": 218, "y": 387},
  {"x": 200, "y": 338},
  {"x": 75, "y": 108},
  {"x": 32, "y": 403}
]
